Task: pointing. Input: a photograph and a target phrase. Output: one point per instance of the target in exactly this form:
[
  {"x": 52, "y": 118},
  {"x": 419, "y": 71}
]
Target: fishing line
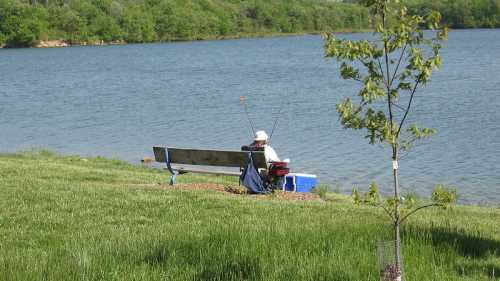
[
  {"x": 276, "y": 119},
  {"x": 242, "y": 101},
  {"x": 276, "y": 122}
]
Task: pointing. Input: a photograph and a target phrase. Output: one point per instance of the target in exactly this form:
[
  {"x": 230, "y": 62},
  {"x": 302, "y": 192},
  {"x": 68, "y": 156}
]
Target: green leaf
[
  {"x": 349, "y": 72},
  {"x": 356, "y": 196},
  {"x": 444, "y": 195},
  {"x": 367, "y": 3},
  {"x": 350, "y": 114}
]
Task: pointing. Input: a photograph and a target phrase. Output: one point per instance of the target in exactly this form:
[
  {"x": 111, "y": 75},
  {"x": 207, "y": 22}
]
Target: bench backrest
[{"x": 208, "y": 157}]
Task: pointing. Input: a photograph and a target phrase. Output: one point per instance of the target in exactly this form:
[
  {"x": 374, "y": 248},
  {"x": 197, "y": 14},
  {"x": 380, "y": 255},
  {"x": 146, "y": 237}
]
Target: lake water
[{"x": 119, "y": 101}]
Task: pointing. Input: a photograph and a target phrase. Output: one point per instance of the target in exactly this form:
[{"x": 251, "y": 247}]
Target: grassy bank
[{"x": 68, "y": 218}]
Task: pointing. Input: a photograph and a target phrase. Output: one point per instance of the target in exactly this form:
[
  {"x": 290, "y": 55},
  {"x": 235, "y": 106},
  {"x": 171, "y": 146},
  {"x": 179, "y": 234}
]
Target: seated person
[
  {"x": 272, "y": 179},
  {"x": 260, "y": 144}
]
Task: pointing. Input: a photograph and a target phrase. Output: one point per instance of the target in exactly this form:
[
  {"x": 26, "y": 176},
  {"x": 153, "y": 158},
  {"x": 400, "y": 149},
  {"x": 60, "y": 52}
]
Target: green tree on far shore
[
  {"x": 23, "y": 23},
  {"x": 138, "y": 25}
]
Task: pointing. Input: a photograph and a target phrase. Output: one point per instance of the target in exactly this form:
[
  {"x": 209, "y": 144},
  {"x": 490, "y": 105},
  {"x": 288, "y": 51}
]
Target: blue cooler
[{"x": 300, "y": 182}]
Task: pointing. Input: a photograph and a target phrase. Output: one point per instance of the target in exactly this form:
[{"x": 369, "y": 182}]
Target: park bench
[{"x": 206, "y": 161}]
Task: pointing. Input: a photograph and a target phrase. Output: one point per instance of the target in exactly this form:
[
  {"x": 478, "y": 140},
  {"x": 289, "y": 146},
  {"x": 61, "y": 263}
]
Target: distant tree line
[
  {"x": 24, "y": 23},
  {"x": 456, "y": 13},
  {"x": 461, "y": 13}
]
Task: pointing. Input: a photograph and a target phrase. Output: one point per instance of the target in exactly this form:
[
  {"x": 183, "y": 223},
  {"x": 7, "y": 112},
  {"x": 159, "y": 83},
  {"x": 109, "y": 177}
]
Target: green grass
[{"x": 64, "y": 218}]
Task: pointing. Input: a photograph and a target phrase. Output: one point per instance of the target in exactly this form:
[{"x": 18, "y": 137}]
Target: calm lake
[{"x": 119, "y": 101}]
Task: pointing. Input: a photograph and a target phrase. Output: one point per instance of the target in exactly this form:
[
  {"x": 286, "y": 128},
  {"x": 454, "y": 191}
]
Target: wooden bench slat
[
  {"x": 205, "y": 171},
  {"x": 208, "y": 157},
  {"x": 160, "y": 154}
]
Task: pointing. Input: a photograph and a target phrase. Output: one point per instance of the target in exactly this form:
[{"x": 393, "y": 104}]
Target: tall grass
[{"x": 64, "y": 218}]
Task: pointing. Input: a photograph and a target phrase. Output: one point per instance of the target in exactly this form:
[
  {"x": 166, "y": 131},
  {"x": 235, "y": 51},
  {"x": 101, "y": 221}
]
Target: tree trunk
[
  {"x": 397, "y": 219},
  {"x": 397, "y": 239}
]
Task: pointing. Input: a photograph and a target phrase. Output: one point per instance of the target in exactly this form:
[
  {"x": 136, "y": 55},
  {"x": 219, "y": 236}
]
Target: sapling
[{"x": 390, "y": 69}]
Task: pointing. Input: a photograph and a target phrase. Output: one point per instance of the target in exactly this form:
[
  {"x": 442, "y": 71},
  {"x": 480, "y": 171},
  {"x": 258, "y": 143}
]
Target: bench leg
[
  {"x": 173, "y": 177},
  {"x": 169, "y": 167}
]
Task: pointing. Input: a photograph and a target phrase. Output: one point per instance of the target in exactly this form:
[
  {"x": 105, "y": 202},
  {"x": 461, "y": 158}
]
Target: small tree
[{"x": 390, "y": 69}]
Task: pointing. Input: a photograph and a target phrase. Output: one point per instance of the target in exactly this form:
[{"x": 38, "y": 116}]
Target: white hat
[{"x": 261, "y": 136}]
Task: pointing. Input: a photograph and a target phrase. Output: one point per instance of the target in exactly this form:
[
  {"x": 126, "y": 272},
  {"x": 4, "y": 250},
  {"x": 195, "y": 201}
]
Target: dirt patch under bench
[{"x": 240, "y": 190}]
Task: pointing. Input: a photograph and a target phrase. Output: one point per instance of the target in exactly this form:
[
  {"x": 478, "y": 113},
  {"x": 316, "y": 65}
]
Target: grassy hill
[{"x": 74, "y": 218}]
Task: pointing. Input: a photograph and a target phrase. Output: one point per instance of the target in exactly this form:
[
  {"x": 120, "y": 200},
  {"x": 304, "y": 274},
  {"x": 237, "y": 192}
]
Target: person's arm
[{"x": 271, "y": 155}]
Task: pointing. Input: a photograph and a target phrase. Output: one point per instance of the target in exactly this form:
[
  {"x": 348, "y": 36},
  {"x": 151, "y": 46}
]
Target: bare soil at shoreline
[
  {"x": 240, "y": 190},
  {"x": 61, "y": 43}
]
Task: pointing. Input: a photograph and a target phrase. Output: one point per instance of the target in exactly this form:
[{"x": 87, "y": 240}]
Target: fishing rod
[
  {"x": 276, "y": 119},
  {"x": 242, "y": 102},
  {"x": 275, "y": 123}
]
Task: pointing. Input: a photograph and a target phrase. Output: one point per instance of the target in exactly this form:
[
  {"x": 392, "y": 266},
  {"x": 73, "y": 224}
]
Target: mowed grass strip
[{"x": 69, "y": 218}]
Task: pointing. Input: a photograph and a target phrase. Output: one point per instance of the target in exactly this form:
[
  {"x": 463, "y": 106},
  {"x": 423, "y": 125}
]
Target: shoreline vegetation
[
  {"x": 58, "y": 23},
  {"x": 74, "y": 218},
  {"x": 64, "y": 43}
]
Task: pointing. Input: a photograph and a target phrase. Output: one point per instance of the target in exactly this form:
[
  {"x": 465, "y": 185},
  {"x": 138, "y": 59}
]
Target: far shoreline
[{"x": 63, "y": 43}]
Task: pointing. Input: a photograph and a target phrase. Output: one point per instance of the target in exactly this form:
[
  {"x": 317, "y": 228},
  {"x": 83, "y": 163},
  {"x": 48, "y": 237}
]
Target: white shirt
[{"x": 270, "y": 154}]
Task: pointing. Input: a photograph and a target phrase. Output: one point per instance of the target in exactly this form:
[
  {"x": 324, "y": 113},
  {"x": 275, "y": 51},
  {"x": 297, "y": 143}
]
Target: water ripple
[{"x": 118, "y": 101}]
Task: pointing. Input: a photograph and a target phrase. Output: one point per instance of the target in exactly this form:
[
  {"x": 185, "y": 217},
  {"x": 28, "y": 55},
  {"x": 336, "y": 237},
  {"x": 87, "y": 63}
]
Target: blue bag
[{"x": 251, "y": 178}]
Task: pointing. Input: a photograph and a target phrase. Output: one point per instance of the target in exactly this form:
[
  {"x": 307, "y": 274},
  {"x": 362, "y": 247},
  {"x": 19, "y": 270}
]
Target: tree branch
[
  {"x": 387, "y": 65},
  {"x": 411, "y": 141},
  {"x": 399, "y": 63},
  {"x": 403, "y": 156},
  {"x": 388, "y": 87},
  {"x": 418, "y": 209},
  {"x": 406, "y": 151},
  {"x": 357, "y": 79},
  {"x": 387, "y": 82},
  {"x": 380, "y": 68},
  {"x": 398, "y": 106},
  {"x": 389, "y": 213},
  {"x": 408, "y": 107}
]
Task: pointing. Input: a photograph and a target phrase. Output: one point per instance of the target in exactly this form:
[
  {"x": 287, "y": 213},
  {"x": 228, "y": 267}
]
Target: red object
[
  {"x": 279, "y": 169},
  {"x": 279, "y": 164},
  {"x": 280, "y": 172}
]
